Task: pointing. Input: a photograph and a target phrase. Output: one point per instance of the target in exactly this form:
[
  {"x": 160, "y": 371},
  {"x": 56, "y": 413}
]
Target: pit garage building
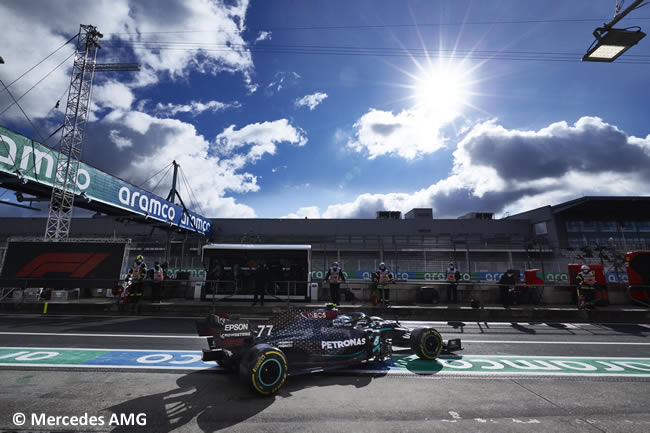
[{"x": 415, "y": 246}]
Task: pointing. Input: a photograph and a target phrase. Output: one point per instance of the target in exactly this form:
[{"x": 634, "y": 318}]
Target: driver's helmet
[
  {"x": 451, "y": 265},
  {"x": 509, "y": 272},
  {"x": 139, "y": 259},
  {"x": 585, "y": 269},
  {"x": 156, "y": 265},
  {"x": 335, "y": 265},
  {"x": 382, "y": 266}
]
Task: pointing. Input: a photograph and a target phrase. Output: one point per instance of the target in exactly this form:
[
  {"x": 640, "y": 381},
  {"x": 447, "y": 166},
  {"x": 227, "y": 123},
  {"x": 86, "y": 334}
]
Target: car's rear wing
[
  {"x": 224, "y": 326},
  {"x": 206, "y": 327}
]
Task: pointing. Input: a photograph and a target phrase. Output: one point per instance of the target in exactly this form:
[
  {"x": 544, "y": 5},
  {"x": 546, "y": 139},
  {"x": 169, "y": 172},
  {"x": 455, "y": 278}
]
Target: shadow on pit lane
[
  {"x": 218, "y": 401},
  {"x": 421, "y": 367}
]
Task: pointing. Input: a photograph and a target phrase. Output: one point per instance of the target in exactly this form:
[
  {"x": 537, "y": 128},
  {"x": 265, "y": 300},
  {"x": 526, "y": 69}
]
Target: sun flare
[{"x": 442, "y": 91}]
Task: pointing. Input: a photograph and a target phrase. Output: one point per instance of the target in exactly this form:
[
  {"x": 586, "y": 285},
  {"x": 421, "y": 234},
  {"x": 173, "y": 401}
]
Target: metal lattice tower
[
  {"x": 76, "y": 113},
  {"x": 64, "y": 184}
]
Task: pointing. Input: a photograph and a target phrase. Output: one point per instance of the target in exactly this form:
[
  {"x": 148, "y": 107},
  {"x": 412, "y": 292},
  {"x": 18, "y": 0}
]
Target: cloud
[
  {"x": 194, "y": 107},
  {"x": 311, "y": 101},
  {"x": 131, "y": 33},
  {"x": 589, "y": 146},
  {"x": 499, "y": 170},
  {"x": 263, "y": 36},
  {"x": 281, "y": 80},
  {"x": 260, "y": 138},
  {"x": 119, "y": 141},
  {"x": 156, "y": 142},
  {"x": 408, "y": 134},
  {"x": 113, "y": 95},
  {"x": 276, "y": 169},
  {"x": 305, "y": 212},
  {"x": 213, "y": 169}
]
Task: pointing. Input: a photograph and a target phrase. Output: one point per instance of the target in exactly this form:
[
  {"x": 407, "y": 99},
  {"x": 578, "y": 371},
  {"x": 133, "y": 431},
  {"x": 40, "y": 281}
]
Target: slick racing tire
[
  {"x": 264, "y": 368},
  {"x": 426, "y": 343}
]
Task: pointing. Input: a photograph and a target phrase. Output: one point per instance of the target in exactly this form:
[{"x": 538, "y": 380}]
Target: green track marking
[{"x": 48, "y": 356}]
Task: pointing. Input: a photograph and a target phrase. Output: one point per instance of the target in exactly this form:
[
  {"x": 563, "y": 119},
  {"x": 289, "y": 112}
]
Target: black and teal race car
[{"x": 264, "y": 352}]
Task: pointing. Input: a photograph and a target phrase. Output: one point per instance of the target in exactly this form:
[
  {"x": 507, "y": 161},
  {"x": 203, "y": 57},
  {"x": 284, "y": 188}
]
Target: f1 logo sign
[{"x": 77, "y": 264}]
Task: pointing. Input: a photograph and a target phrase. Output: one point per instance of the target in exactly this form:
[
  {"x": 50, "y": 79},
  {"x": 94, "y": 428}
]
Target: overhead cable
[
  {"x": 156, "y": 174},
  {"x": 372, "y": 51},
  {"x": 32, "y": 68},
  {"x": 36, "y": 84},
  {"x": 191, "y": 192},
  {"x": 374, "y": 26},
  {"x": 23, "y": 111}
]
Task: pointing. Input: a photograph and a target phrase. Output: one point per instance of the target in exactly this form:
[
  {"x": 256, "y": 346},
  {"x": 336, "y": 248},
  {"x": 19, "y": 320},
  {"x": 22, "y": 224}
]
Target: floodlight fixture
[
  {"x": 2, "y": 61},
  {"x": 612, "y": 45}
]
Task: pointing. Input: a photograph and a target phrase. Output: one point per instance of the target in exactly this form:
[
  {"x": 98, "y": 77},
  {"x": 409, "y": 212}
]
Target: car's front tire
[
  {"x": 426, "y": 343},
  {"x": 264, "y": 368}
]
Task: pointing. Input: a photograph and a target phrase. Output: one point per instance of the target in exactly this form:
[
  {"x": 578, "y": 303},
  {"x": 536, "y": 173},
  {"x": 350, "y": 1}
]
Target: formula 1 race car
[{"x": 264, "y": 352}]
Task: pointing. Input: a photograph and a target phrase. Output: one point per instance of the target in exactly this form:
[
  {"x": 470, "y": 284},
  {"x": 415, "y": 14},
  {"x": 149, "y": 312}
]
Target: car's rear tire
[
  {"x": 426, "y": 343},
  {"x": 264, "y": 368}
]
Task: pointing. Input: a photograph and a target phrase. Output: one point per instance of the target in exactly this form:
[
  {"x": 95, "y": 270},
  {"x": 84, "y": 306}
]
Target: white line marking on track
[
  {"x": 103, "y": 316},
  {"x": 491, "y": 373},
  {"x": 106, "y": 349},
  {"x": 617, "y": 343},
  {"x": 64, "y": 334},
  {"x": 114, "y": 367}
]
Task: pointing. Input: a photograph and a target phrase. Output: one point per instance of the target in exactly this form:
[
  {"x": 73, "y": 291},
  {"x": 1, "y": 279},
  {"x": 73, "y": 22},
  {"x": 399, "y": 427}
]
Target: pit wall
[{"x": 486, "y": 292}]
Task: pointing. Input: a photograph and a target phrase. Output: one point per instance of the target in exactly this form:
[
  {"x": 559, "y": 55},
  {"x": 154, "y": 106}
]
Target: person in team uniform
[
  {"x": 262, "y": 281},
  {"x": 453, "y": 277},
  {"x": 381, "y": 278},
  {"x": 157, "y": 277},
  {"x": 507, "y": 287},
  {"x": 135, "y": 278},
  {"x": 334, "y": 276},
  {"x": 585, "y": 288}
]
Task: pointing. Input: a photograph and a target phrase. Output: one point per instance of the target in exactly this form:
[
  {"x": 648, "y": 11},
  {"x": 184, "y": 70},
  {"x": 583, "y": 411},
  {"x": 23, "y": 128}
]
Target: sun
[{"x": 442, "y": 90}]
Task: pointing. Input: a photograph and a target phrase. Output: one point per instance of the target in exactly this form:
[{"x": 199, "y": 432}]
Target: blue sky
[{"x": 276, "y": 108}]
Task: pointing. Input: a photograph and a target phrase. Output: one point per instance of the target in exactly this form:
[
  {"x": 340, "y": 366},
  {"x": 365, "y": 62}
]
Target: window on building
[
  {"x": 576, "y": 241},
  {"x": 356, "y": 240},
  {"x": 387, "y": 240},
  {"x": 429, "y": 241},
  {"x": 541, "y": 228},
  {"x": 589, "y": 226},
  {"x": 372, "y": 241},
  {"x": 607, "y": 226},
  {"x": 342, "y": 239},
  {"x": 475, "y": 239},
  {"x": 629, "y": 226},
  {"x": 643, "y": 226},
  {"x": 573, "y": 226}
]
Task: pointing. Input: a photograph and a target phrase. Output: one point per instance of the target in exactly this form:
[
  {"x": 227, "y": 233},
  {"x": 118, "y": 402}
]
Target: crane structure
[{"x": 64, "y": 183}]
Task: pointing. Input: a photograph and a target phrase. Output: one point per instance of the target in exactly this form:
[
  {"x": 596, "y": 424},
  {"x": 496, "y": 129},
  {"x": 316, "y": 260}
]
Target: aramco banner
[{"x": 37, "y": 163}]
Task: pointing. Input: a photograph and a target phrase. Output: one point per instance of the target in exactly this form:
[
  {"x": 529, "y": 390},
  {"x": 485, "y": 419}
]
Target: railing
[{"x": 219, "y": 290}]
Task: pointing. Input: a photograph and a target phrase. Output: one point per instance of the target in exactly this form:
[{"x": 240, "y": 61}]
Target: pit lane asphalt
[
  {"x": 209, "y": 400},
  {"x": 479, "y": 338}
]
